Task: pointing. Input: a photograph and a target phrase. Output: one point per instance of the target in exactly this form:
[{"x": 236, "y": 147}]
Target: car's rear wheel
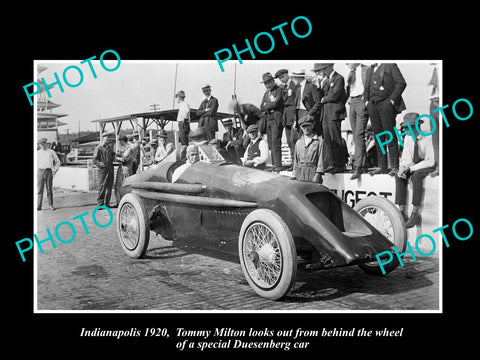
[
  {"x": 267, "y": 254},
  {"x": 132, "y": 226},
  {"x": 384, "y": 216}
]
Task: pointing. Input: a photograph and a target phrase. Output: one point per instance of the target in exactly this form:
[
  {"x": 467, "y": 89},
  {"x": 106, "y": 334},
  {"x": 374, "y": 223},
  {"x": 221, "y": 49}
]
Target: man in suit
[
  {"x": 272, "y": 108},
  {"x": 383, "y": 97},
  {"x": 208, "y": 113},
  {"x": 248, "y": 113},
  {"x": 334, "y": 111},
  {"x": 232, "y": 142},
  {"x": 308, "y": 102},
  {"x": 289, "y": 102},
  {"x": 358, "y": 114}
]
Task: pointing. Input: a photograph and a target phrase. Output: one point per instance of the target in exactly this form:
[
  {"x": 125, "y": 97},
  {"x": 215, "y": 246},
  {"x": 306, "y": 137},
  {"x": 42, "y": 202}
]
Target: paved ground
[{"x": 93, "y": 273}]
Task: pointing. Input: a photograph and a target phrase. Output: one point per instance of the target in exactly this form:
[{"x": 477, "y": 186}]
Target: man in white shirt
[
  {"x": 193, "y": 156},
  {"x": 256, "y": 153},
  {"x": 47, "y": 166},
  {"x": 358, "y": 114},
  {"x": 416, "y": 162},
  {"x": 183, "y": 118}
]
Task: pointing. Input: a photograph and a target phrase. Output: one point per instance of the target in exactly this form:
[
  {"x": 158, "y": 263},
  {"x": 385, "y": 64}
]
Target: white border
[{"x": 440, "y": 254}]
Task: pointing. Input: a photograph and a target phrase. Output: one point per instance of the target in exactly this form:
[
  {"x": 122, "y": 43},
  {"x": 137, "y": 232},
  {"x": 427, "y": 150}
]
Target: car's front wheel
[
  {"x": 132, "y": 226},
  {"x": 267, "y": 254}
]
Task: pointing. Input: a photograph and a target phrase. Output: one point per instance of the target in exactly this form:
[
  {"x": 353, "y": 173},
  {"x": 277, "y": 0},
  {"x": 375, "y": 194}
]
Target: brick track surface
[{"x": 93, "y": 273}]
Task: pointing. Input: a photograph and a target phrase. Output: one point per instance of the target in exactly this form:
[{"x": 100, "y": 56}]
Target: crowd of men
[{"x": 310, "y": 112}]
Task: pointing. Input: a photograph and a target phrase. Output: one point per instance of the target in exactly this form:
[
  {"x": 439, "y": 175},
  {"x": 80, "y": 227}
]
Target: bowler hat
[
  {"x": 267, "y": 77},
  {"x": 321, "y": 66},
  {"x": 281, "y": 72},
  {"x": 307, "y": 119},
  {"x": 252, "y": 128}
]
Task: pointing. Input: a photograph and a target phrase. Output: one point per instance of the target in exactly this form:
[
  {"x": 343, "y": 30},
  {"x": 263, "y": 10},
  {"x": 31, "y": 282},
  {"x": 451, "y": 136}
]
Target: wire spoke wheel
[
  {"x": 263, "y": 257},
  {"x": 129, "y": 226},
  {"x": 133, "y": 226},
  {"x": 267, "y": 254}
]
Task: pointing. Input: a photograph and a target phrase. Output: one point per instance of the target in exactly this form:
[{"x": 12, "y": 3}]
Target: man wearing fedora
[
  {"x": 417, "y": 161},
  {"x": 208, "y": 113},
  {"x": 308, "y": 102},
  {"x": 289, "y": 91},
  {"x": 333, "y": 113},
  {"x": 48, "y": 164},
  {"x": 272, "y": 108},
  {"x": 103, "y": 157},
  {"x": 183, "y": 118},
  {"x": 384, "y": 86},
  {"x": 232, "y": 142}
]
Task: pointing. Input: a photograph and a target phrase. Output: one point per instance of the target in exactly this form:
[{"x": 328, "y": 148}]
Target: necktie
[
  {"x": 351, "y": 78},
  {"x": 416, "y": 156}
]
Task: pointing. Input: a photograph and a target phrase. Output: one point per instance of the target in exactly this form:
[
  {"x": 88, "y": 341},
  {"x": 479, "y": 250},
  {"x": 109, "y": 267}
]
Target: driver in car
[{"x": 192, "y": 158}]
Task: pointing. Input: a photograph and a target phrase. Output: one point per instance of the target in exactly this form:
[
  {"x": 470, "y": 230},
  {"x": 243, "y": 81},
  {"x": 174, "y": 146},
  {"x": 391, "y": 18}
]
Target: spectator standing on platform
[
  {"x": 208, "y": 113},
  {"x": 416, "y": 163},
  {"x": 272, "y": 108},
  {"x": 289, "y": 90},
  {"x": 434, "y": 104},
  {"x": 333, "y": 113},
  {"x": 384, "y": 86},
  {"x": 103, "y": 159},
  {"x": 308, "y": 102},
  {"x": 183, "y": 119},
  {"x": 308, "y": 157},
  {"x": 48, "y": 164},
  {"x": 358, "y": 115}
]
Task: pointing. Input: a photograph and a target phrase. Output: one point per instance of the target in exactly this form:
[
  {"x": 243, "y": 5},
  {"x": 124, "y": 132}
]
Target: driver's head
[{"x": 192, "y": 154}]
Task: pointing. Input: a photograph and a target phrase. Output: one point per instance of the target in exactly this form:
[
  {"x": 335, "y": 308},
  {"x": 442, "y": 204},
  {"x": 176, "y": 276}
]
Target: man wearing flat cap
[
  {"x": 183, "y": 118},
  {"x": 208, "y": 113},
  {"x": 272, "y": 108},
  {"x": 308, "y": 157},
  {"x": 232, "y": 142},
  {"x": 103, "y": 157},
  {"x": 48, "y": 164},
  {"x": 289, "y": 90},
  {"x": 417, "y": 161},
  {"x": 333, "y": 113},
  {"x": 256, "y": 153},
  {"x": 384, "y": 86}
]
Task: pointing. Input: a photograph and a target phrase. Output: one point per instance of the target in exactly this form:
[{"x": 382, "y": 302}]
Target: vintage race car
[{"x": 274, "y": 224}]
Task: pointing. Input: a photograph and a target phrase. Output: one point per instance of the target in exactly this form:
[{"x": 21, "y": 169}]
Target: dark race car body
[{"x": 216, "y": 205}]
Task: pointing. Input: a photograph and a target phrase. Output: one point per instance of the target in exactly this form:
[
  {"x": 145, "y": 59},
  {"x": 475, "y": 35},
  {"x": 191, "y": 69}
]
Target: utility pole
[{"x": 154, "y": 107}]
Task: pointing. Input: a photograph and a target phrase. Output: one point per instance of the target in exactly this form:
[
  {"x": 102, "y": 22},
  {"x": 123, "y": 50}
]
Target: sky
[{"x": 135, "y": 85}]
